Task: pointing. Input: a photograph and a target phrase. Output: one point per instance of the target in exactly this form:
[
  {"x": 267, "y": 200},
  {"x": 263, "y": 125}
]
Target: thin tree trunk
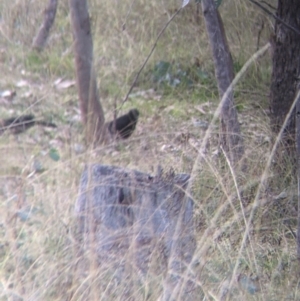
[
  {"x": 231, "y": 138},
  {"x": 91, "y": 110},
  {"x": 43, "y": 33}
]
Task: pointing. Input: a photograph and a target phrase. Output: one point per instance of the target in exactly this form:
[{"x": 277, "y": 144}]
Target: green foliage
[
  {"x": 175, "y": 75},
  {"x": 167, "y": 77},
  {"x": 53, "y": 154},
  {"x": 34, "y": 61}
]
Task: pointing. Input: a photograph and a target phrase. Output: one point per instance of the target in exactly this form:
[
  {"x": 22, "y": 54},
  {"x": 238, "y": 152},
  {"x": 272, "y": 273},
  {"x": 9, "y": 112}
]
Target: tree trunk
[
  {"x": 137, "y": 227},
  {"x": 49, "y": 16},
  {"x": 298, "y": 171},
  {"x": 91, "y": 110},
  {"x": 231, "y": 138},
  {"x": 286, "y": 70}
]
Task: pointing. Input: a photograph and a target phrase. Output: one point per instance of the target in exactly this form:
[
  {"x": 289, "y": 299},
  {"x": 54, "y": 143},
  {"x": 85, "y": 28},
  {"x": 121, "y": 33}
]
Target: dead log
[
  {"x": 136, "y": 224},
  {"x": 20, "y": 124}
]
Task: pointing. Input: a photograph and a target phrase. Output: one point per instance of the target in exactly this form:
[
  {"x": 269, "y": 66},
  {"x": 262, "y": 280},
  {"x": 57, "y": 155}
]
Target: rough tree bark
[
  {"x": 43, "y": 33},
  {"x": 139, "y": 227},
  {"x": 298, "y": 169},
  {"x": 286, "y": 70},
  {"x": 231, "y": 138},
  {"x": 90, "y": 106}
]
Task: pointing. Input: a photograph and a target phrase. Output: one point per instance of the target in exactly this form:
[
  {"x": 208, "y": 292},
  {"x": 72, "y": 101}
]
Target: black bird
[
  {"x": 17, "y": 125},
  {"x": 124, "y": 125}
]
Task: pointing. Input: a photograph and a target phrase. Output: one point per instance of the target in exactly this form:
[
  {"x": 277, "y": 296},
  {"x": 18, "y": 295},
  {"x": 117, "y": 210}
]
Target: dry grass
[{"x": 37, "y": 252}]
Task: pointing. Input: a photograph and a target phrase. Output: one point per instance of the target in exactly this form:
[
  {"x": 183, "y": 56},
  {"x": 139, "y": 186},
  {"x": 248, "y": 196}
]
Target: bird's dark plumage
[
  {"x": 20, "y": 124},
  {"x": 124, "y": 125}
]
